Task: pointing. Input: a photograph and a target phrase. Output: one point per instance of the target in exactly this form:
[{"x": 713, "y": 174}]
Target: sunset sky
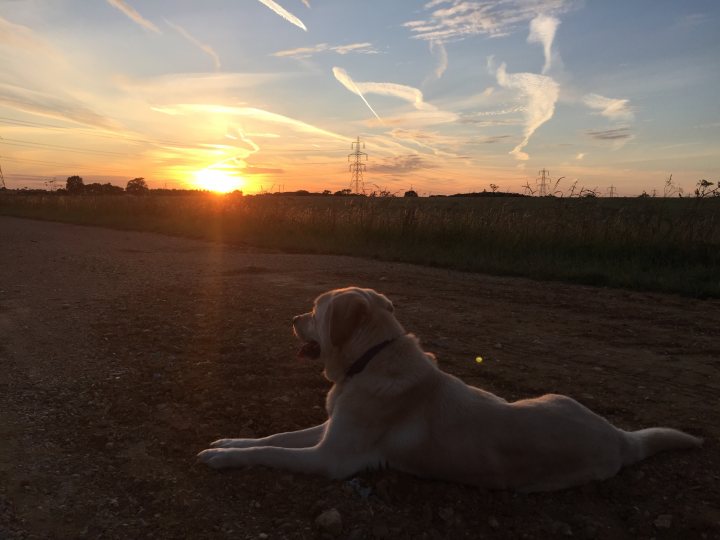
[{"x": 448, "y": 95}]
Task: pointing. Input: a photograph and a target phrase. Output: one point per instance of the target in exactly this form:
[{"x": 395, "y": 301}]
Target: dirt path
[{"x": 122, "y": 354}]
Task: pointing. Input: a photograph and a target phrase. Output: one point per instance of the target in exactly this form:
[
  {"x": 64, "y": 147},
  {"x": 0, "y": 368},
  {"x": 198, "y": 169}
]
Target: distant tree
[
  {"x": 137, "y": 186},
  {"x": 326, "y": 192},
  {"x": 343, "y": 192},
  {"x": 74, "y": 185},
  {"x": 494, "y": 187},
  {"x": 410, "y": 193}
]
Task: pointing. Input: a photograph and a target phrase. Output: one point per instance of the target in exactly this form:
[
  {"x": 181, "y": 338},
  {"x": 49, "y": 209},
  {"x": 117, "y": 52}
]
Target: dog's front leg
[
  {"x": 316, "y": 460},
  {"x": 303, "y": 438}
]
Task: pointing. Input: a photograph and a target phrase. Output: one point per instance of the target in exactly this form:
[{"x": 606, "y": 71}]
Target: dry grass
[{"x": 669, "y": 245}]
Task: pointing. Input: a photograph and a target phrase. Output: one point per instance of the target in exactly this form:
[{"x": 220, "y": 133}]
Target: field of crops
[{"x": 661, "y": 244}]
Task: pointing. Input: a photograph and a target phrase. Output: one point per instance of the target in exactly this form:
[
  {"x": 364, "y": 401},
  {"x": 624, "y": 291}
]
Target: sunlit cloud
[
  {"x": 21, "y": 37},
  {"x": 343, "y": 78},
  {"x": 580, "y": 156},
  {"x": 458, "y": 19},
  {"x": 133, "y": 15},
  {"x": 207, "y": 49},
  {"x": 51, "y": 106},
  {"x": 417, "y": 119},
  {"x": 285, "y": 14},
  {"x": 614, "y": 109},
  {"x": 307, "y": 52},
  {"x": 542, "y": 31},
  {"x": 254, "y": 113},
  {"x": 540, "y": 92},
  {"x": 307, "y": 4},
  {"x": 406, "y": 93}
]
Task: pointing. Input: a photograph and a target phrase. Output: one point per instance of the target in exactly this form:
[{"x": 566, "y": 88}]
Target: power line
[{"x": 31, "y": 144}]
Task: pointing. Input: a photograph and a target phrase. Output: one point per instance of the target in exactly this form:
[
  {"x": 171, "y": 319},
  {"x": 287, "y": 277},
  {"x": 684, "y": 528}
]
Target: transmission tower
[
  {"x": 543, "y": 182},
  {"x": 612, "y": 191},
  {"x": 357, "y": 167},
  {"x": 2, "y": 178}
]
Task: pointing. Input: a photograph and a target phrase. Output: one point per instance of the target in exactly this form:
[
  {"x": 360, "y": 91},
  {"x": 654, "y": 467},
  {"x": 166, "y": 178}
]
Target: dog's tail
[{"x": 646, "y": 442}]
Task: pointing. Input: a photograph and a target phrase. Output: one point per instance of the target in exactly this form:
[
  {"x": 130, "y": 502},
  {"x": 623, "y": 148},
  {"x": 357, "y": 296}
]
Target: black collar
[{"x": 363, "y": 361}]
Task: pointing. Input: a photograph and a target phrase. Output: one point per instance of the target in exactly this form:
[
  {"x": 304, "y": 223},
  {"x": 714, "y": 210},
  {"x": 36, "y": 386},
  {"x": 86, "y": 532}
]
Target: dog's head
[{"x": 343, "y": 324}]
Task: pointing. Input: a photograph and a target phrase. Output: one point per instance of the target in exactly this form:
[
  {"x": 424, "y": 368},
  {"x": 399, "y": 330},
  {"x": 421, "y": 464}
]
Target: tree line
[{"x": 76, "y": 186}]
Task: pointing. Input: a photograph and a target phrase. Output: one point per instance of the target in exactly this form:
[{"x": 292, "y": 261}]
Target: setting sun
[{"x": 218, "y": 180}]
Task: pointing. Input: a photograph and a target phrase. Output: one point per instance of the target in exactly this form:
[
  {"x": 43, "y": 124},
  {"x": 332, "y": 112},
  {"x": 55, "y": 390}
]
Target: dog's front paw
[
  {"x": 218, "y": 458},
  {"x": 232, "y": 443}
]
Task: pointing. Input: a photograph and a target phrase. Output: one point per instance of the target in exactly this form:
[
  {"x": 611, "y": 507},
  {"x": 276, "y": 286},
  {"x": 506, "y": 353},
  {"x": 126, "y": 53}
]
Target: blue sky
[{"x": 449, "y": 96}]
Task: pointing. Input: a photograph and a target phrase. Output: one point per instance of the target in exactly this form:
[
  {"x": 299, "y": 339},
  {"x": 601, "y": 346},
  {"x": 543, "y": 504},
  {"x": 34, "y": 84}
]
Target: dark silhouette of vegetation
[
  {"x": 102, "y": 189},
  {"x": 137, "y": 186},
  {"x": 74, "y": 185},
  {"x": 410, "y": 193},
  {"x": 705, "y": 189}
]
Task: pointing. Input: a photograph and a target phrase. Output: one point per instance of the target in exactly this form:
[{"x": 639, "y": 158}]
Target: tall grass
[{"x": 669, "y": 245}]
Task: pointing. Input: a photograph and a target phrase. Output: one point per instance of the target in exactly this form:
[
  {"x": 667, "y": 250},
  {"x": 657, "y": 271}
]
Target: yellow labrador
[{"x": 391, "y": 406}]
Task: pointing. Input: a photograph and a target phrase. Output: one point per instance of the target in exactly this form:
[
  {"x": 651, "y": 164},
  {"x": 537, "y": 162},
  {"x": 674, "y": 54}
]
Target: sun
[{"x": 218, "y": 180}]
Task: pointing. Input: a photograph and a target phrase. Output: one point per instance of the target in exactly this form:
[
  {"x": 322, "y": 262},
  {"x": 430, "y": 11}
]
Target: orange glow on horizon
[{"x": 218, "y": 180}]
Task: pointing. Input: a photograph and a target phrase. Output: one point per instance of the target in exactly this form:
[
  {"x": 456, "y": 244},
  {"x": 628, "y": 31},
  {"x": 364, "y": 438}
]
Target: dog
[{"x": 391, "y": 406}]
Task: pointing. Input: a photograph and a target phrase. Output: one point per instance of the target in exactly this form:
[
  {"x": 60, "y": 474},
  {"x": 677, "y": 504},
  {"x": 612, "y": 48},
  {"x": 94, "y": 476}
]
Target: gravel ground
[{"x": 123, "y": 354}]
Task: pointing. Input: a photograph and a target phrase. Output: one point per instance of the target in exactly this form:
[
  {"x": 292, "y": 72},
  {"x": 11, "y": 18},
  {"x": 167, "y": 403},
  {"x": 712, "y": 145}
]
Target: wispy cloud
[
  {"x": 253, "y": 113},
  {"x": 617, "y": 134},
  {"x": 307, "y": 52},
  {"x": 457, "y": 19},
  {"x": 406, "y": 93},
  {"x": 52, "y": 106},
  {"x": 21, "y": 37},
  {"x": 580, "y": 156},
  {"x": 542, "y": 31},
  {"x": 343, "y": 78},
  {"x": 541, "y": 93},
  {"x": 133, "y": 15},
  {"x": 284, "y": 13},
  {"x": 402, "y": 164},
  {"x": 614, "y": 109},
  {"x": 207, "y": 49},
  {"x": 437, "y": 49}
]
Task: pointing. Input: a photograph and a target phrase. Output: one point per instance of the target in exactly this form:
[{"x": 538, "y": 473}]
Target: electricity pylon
[
  {"x": 543, "y": 183},
  {"x": 357, "y": 167}
]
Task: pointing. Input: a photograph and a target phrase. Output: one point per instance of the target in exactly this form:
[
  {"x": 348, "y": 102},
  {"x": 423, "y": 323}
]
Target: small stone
[
  {"x": 330, "y": 521},
  {"x": 494, "y": 523},
  {"x": 663, "y": 521},
  {"x": 263, "y": 536},
  {"x": 498, "y": 345}
]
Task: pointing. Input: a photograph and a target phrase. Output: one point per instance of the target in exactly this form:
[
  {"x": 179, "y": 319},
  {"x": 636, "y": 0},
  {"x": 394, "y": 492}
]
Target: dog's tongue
[{"x": 311, "y": 350}]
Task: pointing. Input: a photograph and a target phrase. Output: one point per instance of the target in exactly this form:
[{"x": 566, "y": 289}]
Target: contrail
[
  {"x": 207, "y": 49},
  {"x": 285, "y": 14},
  {"x": 344, "y": 79},
  {"x": 134, "y": 15}
]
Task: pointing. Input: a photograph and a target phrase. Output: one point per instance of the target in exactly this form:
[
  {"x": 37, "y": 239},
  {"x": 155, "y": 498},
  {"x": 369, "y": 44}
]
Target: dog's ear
[
  {"x": 387, "y": 304},
  {"x": 348, "y": 312}
]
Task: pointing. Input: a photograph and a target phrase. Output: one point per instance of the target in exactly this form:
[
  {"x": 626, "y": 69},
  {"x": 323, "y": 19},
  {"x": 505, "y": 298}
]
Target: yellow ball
[{"x": 478, "y": 359}]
